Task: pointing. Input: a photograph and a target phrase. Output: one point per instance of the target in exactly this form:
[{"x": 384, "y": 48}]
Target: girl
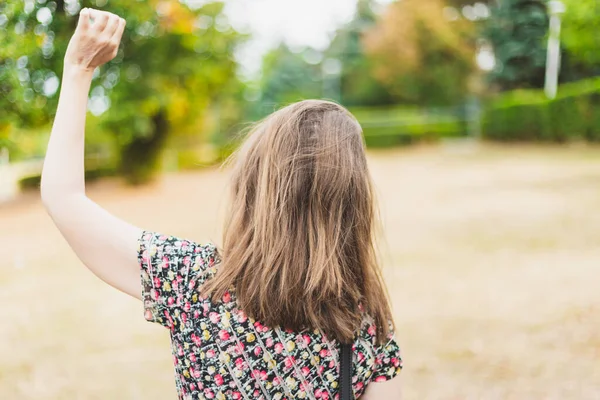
[{"x": 297, "y": 274}]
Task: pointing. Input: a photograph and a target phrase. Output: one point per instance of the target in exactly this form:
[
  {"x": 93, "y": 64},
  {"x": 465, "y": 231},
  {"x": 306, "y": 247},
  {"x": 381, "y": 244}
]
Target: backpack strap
[{"x": 345, "y": 381}]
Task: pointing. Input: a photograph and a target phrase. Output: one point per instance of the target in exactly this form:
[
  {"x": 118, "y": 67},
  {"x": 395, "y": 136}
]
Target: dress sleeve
[
  {"x": 388, "y": 360},
  {"x": 172, "y": 270}
]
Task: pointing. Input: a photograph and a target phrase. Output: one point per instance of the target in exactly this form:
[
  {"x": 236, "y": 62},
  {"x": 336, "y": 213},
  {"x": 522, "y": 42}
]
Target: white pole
[{"x": 556, "y": 8}]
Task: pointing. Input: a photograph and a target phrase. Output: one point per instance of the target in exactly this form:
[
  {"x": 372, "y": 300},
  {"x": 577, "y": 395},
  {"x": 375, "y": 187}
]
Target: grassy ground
[{"x": 492, "y": 260}]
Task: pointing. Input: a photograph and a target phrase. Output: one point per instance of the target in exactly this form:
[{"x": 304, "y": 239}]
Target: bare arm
[
  {"x": 389, "y": 390},
  {"x": 104, "y": 243}
]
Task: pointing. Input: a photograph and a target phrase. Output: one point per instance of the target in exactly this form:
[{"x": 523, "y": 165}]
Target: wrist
[{"x": 78, "y": 72}]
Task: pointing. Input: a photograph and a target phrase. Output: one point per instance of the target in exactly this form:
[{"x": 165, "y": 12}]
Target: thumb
[{"x": 84, "y": 19}]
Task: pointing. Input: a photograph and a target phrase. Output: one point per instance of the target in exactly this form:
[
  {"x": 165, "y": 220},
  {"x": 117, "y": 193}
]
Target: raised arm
[{"x": 104, "y": 243}]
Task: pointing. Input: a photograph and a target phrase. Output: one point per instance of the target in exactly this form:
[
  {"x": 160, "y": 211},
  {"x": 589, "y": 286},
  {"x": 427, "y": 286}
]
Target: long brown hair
[{"x": 298, "y": 243}]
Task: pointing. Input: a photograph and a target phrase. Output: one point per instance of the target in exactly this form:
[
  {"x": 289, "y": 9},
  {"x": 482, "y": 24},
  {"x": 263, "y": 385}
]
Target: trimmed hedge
[
  {"x": 529, "y": 116},
  {"x": 396, "y": 126}
]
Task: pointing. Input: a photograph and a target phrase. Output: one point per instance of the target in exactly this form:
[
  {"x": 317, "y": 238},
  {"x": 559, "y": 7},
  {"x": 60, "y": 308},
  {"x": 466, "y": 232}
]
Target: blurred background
[{"x": 481, "y": 119}]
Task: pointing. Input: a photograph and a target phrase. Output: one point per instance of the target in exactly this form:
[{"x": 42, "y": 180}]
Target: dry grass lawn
[{"x": 492, "y": 261}]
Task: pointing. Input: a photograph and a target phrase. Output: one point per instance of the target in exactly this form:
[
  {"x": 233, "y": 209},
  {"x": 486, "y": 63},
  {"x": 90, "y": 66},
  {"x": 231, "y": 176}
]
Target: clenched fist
[{"x": 96, "y": 39}]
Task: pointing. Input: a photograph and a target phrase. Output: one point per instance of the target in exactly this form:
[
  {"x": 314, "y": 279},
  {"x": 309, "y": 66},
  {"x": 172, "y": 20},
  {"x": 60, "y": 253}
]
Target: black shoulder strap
[{"x": 345, "y": 381}]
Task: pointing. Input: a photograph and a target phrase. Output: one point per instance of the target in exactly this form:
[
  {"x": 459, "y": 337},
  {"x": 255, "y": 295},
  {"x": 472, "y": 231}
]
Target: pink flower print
[
  {"x": 196, "y": 339},
  {"x": 269, "y": 342},
  {"x": 320, "y": 369},
  {"x": 154, "y": 294},
  {"x": 210, "y": 353},
  {"x": 361, "y": 357},
  {"x": 223, "y": 335},
  {"x": 157, "y": 282},
  {"x": 278, "y": 348},
  {"x": 170, "y": 301},
  {"x": 324, "y": 353},
  {"x": 318, "y": 393},
  {"x": 359, "y": 385},
  {"x": 180, "y": 351},
  {"x": 239, "y": 363},
  {"x": 192, "y": 386},
  {"x": 205, "y": 308},
  {"x": 242, "y": 317},
  {"x": 165, "y": 262},
  {"x": 289, "y": 362},
  {"x": 186, "y": 261},
  {"x": 372, "y": 330},
  {"x": 193, "y": 358},
  {"x": 196, "y": 373},
  {"x": 148, "y": 315},
  {"x": 161, "y": 237},
  {"x": 214, "y": 317},
  {"x": 175, "y": 286},
  {"x": 276, "y": 381},
  {"x": 209, "y": 394},
  {"x": 306, "y": 339},
  {"x": 256, "y": 374},
  {"x": 226, "y": 297},
  {"x": 196, "y": 314},
  {"x": 380, "y": 379},
  {"x": 264, "y": 375},
  {"x": 187, "y": 307},
  {"x": 236, "y": 395},
  {"x": 305, "y": 371},
  {"x": 218, "y": 379},
  {"x": 257, "y": 351},
  {"x": 184, "y": 318},
  {"x": 192, "y": 284},
  {"x": 239, "y": 348}
]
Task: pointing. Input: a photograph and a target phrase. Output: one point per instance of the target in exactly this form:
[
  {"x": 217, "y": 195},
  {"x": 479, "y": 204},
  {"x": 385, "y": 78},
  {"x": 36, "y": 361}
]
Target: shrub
[
  {"x": 529, "y": 116},
  {"x": 389, "y": 127}
]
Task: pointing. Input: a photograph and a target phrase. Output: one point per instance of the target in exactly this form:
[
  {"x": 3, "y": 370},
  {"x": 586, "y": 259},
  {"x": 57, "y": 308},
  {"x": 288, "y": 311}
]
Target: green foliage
[
  {"x": 288, "y": 77},
  {"x": 581, "y": 24},
  {"x": 174, "y": 63},
  {"x": 392, "y": 126},
  {"x": 421, "y": 56},
  {"x": 517, "y": 30},
  {"x": 529, "y": 116}
]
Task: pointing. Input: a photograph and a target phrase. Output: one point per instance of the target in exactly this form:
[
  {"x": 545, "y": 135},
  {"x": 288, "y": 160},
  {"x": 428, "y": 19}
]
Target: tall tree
[
  {"x": 517, "y": 30},
  {"x": 357, "y": 83},
  {"x": 422, "y": 56},
  {"x": 581, "y": 37},
  {"x": 174, "y": 62}
]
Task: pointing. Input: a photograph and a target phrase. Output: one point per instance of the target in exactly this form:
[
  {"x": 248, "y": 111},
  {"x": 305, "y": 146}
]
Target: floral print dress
[{"x": 221, "y": 353}]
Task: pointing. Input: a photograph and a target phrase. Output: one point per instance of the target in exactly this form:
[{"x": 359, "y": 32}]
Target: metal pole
[{"x": 556, "y": 8}]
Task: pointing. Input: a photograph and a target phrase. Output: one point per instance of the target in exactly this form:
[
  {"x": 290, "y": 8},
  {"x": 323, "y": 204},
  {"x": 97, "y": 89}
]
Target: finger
[
  {"x": 111, "y": 26},
  {"x": 100, "y": 19},
  {"x": 118, "y": 34},
  {"x": 84, "y": 19}
]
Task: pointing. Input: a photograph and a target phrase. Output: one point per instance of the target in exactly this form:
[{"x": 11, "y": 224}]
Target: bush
[
  {"x": 388, "y": 127},
  {"x": 529, "y": 116}
]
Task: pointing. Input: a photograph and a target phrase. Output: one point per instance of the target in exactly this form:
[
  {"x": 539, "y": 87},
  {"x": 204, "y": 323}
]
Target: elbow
[{"x": 55, "y": 198}]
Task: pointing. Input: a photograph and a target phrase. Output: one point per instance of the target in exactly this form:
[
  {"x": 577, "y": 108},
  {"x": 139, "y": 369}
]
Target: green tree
[
  {"x": 175, "y": 61},
  {"x": 581, "y": 32},
  {"x": 289, "y": 76},
  {"x": 358, "y": 85},
  {"x": 517, "y": 30},
  {"x": 420, "y": 55}
]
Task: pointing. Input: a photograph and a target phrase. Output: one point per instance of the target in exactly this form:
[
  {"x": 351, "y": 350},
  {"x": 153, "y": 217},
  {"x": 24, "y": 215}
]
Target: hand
[{"x": 96, "y": 39}]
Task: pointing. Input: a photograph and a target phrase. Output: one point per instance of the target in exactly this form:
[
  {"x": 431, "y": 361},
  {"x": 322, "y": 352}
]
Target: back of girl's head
[{"x": 298, "y": 244}]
